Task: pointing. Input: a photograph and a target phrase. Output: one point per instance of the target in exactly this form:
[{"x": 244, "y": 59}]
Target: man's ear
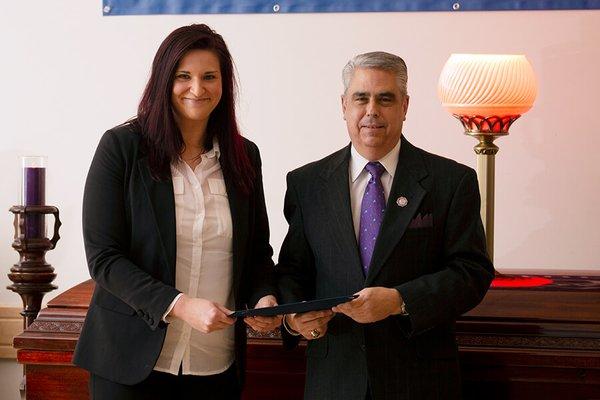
[
  {"x": 405, "y": 105},
  {"x": 343, "y": 99}
]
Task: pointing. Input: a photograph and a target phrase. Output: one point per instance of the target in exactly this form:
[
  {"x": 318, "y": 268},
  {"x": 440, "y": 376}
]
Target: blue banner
[{"x": 147, "y": 7}]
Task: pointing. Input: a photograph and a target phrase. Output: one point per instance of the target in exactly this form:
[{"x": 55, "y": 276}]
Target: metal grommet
[
  {"x": 456, "y": 6},
  {"x": 276, "y": 8}
]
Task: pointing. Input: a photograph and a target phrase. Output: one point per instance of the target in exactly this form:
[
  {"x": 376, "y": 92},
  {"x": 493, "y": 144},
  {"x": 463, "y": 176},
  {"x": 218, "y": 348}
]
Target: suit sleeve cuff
[{"x": 166, "y": 318}]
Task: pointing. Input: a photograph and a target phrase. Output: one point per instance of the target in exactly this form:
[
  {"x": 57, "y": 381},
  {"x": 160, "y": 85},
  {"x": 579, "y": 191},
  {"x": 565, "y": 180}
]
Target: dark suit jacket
[
  {"x": 129, "y": 236},
  {"x": 432, "y": 251}
]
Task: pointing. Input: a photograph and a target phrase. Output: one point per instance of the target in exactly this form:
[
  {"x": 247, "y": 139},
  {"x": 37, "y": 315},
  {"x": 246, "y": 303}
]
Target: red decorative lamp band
[{"x": 494, "y": 125}]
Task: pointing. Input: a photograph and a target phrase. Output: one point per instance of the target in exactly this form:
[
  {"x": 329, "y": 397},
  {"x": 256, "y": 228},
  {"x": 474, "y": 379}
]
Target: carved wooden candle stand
[{"x": 32, "y": 276}]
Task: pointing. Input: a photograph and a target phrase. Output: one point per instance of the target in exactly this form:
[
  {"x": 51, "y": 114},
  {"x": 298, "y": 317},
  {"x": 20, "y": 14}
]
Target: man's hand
[
  {"x": 201, "y": 314},
  {"x": 312, "y": 325},
  {"x": 372, "y": 304},
  {"x": 264, "y": 324}
]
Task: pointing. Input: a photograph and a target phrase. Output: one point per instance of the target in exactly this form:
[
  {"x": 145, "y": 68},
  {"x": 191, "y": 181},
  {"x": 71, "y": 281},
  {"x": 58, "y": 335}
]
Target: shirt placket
[{"x": 195, "y": 180}]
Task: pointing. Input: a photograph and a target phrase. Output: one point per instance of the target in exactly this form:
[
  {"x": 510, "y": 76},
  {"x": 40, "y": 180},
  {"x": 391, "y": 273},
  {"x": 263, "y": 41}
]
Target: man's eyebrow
[
  {"x": 386, "y": 94},
  {"x": 360, "y": 94}
]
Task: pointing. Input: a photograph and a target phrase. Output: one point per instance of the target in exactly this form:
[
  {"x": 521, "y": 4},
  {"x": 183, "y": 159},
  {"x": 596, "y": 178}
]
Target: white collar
[
  {"x": 389, "y": 161},
  {"x": 215, "y": 151}
]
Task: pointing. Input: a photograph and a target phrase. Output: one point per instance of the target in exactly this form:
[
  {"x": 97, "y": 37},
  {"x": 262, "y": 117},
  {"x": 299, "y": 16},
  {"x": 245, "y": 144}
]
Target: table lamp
[{"x": 487, "y": 93}]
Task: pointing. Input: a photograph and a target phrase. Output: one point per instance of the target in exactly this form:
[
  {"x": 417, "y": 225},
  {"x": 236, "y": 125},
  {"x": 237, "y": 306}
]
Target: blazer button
[{"x": 363, "y": 347}]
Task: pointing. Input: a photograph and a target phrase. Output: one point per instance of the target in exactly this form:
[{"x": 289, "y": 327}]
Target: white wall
[{"x": 67, "y": 74}]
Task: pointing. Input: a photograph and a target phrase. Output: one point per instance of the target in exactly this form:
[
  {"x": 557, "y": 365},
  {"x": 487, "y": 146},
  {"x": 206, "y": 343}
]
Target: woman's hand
[
  {"x": 264, "y": 324},
  {"x": 201, "y": 314}
]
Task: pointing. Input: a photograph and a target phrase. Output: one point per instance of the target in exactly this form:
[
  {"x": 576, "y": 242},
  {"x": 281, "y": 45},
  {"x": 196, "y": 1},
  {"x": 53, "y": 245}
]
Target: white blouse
[{"x": 204, "y": 266}]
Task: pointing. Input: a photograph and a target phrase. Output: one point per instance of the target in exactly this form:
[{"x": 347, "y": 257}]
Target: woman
[{"x": 176, "y": 235}]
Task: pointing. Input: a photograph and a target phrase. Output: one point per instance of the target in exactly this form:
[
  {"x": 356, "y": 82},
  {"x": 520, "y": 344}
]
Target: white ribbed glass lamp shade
[{"x": 487, "y": 85}]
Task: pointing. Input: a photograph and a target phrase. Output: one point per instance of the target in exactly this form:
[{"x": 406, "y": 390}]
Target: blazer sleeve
[
  {"x": 106, "y": 235},
  {"x": 261, "y": 253},
  {"x": 441, "y": 297},
  {"x": 296, "y": 266}
]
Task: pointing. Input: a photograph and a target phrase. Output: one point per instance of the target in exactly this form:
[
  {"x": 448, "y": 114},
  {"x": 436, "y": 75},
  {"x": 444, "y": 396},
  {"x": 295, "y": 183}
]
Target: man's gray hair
[{"x": 377, "y": 60}]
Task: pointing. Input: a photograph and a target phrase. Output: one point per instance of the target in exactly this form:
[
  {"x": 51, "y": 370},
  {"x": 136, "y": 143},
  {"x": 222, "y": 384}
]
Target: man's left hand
[
  {"x": 264, "y": 324},
  {"x": 372, "y": 304}
]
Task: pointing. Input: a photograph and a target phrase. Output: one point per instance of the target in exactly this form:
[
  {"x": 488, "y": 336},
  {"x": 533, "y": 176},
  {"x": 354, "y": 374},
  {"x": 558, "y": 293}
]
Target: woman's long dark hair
[{"x": 162, "y": 138}]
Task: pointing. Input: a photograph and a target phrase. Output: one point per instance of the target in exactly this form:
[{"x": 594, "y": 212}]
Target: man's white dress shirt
[{"x": 359, "y": 177}]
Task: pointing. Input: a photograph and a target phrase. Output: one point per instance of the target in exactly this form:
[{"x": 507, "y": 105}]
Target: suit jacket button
[{"x": 363, "y": 347}]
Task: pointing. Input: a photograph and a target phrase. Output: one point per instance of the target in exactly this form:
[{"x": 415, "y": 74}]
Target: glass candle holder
[{"x": 33, "y": 193}]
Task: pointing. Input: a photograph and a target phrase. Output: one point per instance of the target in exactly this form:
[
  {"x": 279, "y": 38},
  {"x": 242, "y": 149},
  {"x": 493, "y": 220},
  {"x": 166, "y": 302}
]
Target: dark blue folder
[{"x": 290, "y": 308}]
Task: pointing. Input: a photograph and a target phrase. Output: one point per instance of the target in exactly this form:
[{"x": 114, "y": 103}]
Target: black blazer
[
  {"x": 432, "y": 251},
  {"x": 129, "y": 235}
]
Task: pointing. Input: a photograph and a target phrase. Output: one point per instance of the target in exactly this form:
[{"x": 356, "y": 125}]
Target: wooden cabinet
[
  {"x": 539, "y": 343},
  {"x": 46, "y": 347},
  {"x": 533, "y": 343}
]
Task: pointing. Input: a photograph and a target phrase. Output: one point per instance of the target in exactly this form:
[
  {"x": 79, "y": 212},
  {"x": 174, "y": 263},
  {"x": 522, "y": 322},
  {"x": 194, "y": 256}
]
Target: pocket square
[{"x": 421, "y": 221}]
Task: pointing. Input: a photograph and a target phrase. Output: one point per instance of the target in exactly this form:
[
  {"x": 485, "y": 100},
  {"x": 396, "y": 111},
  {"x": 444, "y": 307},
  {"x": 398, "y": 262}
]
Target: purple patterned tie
[{"x": 371, "y": 213}]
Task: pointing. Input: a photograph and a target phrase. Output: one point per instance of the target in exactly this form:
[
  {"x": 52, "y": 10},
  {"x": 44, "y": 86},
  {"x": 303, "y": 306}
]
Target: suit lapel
[
  {"x": 409, "y": 172},
  {"x": 336, "y": 198},
  {"x": 162, "y": 201}
]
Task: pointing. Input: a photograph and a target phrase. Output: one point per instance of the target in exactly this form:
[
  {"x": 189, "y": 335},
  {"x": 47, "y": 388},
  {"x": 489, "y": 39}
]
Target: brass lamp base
[{"x": 486, "y": 130}]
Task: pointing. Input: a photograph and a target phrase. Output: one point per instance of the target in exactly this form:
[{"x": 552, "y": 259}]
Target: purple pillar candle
[{"x": 34, "y": 194}]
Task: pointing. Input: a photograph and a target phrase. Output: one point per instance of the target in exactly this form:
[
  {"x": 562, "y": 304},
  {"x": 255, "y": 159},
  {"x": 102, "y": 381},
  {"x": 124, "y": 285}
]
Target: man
[{"x": 394, "y": 224}]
